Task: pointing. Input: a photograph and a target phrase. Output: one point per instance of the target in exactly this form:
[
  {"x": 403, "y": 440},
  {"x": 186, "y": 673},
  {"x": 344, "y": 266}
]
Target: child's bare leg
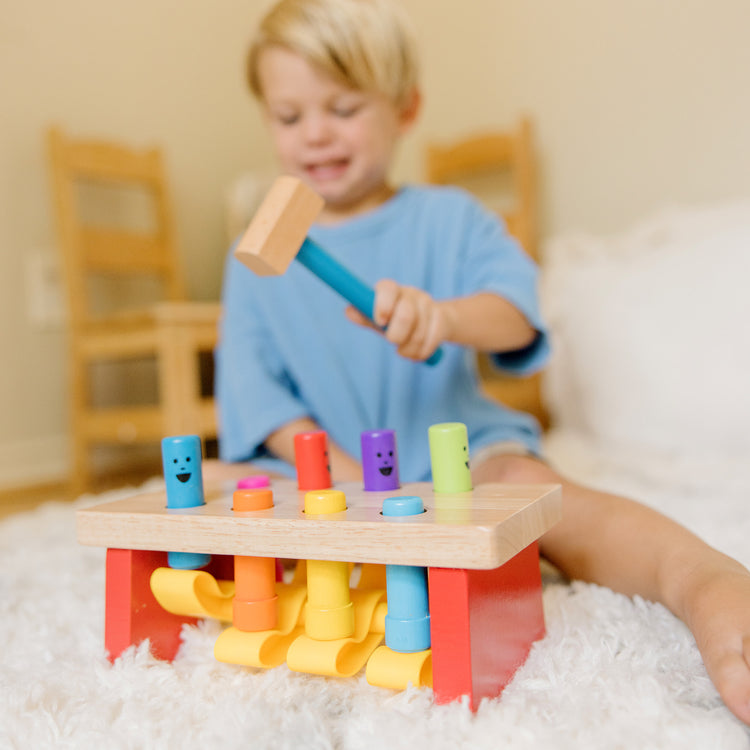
[{"x": 633, "y": 549}]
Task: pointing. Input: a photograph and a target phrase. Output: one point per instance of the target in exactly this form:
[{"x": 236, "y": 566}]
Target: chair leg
[
  {"x": 81, "y": 477},
  {"x": 179, "y": 381}
]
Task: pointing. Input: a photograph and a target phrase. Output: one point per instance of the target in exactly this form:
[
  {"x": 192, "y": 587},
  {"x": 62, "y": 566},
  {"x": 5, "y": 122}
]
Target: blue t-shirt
[{"x": 287, "y": 350}]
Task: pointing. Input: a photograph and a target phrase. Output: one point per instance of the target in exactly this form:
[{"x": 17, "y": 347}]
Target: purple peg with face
[{"x": 379, "y": 460}]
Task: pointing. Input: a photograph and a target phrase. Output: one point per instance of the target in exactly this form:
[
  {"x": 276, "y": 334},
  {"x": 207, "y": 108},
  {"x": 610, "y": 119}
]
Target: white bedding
[{"x": 611, "y": 673}]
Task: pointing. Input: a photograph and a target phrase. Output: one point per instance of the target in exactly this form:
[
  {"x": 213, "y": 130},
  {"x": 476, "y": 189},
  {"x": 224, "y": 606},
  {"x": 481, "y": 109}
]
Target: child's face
[{"x": 338, "y": 140}]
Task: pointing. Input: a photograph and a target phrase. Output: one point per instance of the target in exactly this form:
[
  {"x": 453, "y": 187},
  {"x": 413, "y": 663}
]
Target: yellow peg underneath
[
  {"x": 193, "y": 592},
  {"x": 329, "y": 614},
  {"x": 392, "y": 669}
]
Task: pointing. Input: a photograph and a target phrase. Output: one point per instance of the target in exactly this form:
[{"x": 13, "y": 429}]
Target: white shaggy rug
[{"x": 611, "y": 673}]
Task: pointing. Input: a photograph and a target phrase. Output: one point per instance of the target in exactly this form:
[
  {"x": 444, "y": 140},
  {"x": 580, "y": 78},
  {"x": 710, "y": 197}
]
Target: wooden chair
[
  {"x": 170, "y": 331},
  {"x": 493, "y": 163}
]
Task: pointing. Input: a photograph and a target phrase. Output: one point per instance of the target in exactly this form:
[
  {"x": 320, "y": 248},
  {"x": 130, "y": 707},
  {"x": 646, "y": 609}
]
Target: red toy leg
[
  {"x": 132, "y": 614},
  {"x": 483, "y": 623}
]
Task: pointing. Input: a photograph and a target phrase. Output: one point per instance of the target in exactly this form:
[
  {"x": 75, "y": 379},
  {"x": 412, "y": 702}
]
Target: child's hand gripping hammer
[{"x": 278, "y": 234}]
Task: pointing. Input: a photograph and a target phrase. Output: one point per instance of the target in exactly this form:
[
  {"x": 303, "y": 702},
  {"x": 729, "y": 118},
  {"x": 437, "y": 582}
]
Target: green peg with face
[{"x": 449, "y": 455}]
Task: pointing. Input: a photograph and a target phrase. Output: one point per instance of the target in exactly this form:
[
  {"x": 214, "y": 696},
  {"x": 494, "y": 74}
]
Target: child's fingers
[
  {"x": 403, "y": 322},
  {"x": 417, "y": 325},
  {"x": 355, "y": 316},
  {"x": 433, "y": 336},
  {"x": 428, "y": 334},
  {"x": 418, "y": 311},
  {"x": 718, "y": 615},
  {"x": 387, "y": 294},
  {"x": 407, "y": 317},
  {"x": 732, "y": 678}
]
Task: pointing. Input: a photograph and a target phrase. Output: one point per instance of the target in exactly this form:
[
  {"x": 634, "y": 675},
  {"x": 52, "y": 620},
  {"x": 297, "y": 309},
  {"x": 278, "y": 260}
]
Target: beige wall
[{"x": 637, "y": 104}]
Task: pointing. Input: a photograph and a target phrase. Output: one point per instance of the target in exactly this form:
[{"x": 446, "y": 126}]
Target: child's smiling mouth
[{"x": 327, "y": 170}]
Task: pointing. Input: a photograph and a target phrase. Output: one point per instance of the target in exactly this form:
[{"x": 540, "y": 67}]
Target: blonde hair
[{"x": 364, "y": 44}]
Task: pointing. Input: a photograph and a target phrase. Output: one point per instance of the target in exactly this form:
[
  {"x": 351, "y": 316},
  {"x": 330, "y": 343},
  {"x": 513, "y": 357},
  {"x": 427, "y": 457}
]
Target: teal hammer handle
[{"x": 352, "y": 289}]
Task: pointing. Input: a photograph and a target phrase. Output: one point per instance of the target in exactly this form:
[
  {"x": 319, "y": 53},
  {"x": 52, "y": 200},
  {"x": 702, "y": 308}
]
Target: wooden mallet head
[{"x": 279, "y": 227}]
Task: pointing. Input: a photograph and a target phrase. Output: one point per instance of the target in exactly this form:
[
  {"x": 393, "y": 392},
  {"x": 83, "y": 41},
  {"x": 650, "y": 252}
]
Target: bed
[{"x": 648, "y": 393}]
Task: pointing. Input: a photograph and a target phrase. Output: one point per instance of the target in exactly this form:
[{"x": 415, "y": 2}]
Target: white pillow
[{"x": 651, "y": 348}]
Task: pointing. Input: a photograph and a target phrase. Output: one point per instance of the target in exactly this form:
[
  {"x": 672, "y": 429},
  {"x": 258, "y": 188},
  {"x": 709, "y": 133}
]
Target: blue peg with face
[
  {"x": 182, "y": 463},
  {"x": 181, "y": 459}
]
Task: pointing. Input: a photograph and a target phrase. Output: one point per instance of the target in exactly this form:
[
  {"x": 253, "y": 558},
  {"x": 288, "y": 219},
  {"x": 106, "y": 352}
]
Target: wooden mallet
[{"x": 278, "y": 234}]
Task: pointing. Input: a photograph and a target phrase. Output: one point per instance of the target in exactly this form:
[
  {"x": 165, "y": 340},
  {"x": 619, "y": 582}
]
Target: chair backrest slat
[
  {"x": 119, "y": 251},
  {"x": 97, "y": 160},
  {"x": 86, "y": 249},
  {"x": 480, "y": 153},
  {"x": 494, "y": 152}
]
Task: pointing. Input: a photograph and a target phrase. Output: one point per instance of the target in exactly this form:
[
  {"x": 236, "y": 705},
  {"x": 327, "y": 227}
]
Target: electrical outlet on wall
[{"x": 44, "y": 292}]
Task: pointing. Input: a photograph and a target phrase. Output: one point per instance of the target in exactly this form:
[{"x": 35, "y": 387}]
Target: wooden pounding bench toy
[
  {"x": 278, "y": 234},
  {"x": 449, "y": 575}
]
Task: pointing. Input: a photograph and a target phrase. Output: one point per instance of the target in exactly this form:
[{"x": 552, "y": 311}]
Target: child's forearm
[
  {"x": 417, "y": 323},
  {"x": 486, "y": 322},
  {"x": 628, "y": 547},
  {"x": 281, "y": 444}
]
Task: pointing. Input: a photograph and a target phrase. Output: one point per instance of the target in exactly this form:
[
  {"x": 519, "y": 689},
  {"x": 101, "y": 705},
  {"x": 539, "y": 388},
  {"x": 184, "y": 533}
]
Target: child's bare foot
[{"x": 718, "y": 614}]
